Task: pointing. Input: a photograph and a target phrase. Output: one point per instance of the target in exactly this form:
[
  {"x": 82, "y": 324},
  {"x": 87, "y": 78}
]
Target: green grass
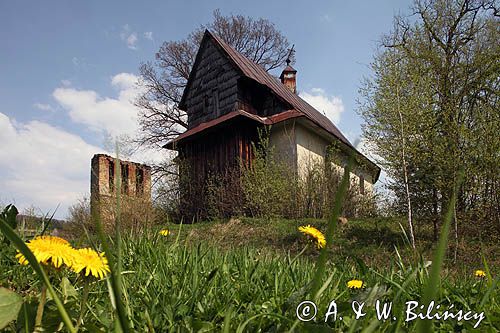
[
  {"x": 373, "y": 240},
  {"x": 246, "y": 275}
]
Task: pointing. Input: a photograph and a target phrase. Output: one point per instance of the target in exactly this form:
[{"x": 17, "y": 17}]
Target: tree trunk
[
  {"x": 405, "y": 171},
  {"x": 456, "y": 233},
  {"x": 435, "y": 214}
]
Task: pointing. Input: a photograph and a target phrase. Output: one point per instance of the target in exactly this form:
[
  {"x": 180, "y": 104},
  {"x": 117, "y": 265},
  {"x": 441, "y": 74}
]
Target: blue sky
[{"x": 68, "y": 71}]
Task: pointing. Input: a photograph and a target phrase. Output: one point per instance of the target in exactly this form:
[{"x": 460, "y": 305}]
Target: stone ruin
[{"x": 135, "y": 188}]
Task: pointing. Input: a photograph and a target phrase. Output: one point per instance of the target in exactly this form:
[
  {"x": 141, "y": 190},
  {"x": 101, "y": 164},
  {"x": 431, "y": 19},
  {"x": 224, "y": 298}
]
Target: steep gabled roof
[
  {"x": 255, "y": 72},
  {"x": 258, "y": 74}
]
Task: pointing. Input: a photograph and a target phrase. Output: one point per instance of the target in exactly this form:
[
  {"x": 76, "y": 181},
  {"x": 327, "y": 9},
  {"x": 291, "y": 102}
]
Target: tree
[{"x": 447, "y": 61}]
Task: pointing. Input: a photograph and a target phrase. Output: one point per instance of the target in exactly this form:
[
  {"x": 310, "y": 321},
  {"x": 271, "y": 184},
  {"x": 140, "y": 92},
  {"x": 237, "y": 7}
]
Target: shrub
[
  {"x": 135, "y": 216},
  {"x": 269, "y": 184}
]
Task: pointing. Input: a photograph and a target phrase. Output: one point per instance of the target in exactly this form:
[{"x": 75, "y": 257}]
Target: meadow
[{"x": 249, "y": 275}]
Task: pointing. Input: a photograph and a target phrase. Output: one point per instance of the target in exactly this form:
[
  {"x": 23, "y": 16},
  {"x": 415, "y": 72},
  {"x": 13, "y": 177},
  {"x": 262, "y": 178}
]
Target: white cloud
[
  {"x": 131, "y": 41},
  {"x": 80, "y": 64},
  {"x": 129, "y": 37},
  {"x": 325, "y": 18},
  {"x": 331, "y": 106},
  {"x": 113, "y": 116},
  {"x": 125, "y": 81},
  {"x": 44, "y": 107},
  {"x": 43, "y": 165},
  {"x": 66, "y": 83}
]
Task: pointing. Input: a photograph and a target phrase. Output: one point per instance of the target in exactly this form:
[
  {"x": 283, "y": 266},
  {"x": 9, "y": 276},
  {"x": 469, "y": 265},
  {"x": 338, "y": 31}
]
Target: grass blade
[
  {"x": 488, "y": 292},
  {"x": 115, "y": 266},
  {"x": 332, "y": 226},
  {"x": 46, "y": 225},
  {"x": 227, "y": 320},
  {"x": 432, "y": 286}
]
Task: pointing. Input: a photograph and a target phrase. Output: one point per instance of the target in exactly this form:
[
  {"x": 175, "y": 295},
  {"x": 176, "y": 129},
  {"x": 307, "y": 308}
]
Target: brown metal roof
[
  {"x": 289, "y": 68},
  {"x": 257, "y": 73}
]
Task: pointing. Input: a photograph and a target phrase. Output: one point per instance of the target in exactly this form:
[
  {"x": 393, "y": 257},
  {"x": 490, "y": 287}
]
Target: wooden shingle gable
[
  {"x": 212, "y": 88},
  {"x": 218, "y": 85}
]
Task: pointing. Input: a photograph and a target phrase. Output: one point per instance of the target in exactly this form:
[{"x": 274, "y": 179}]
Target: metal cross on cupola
[{"x": 289, "y": 75}]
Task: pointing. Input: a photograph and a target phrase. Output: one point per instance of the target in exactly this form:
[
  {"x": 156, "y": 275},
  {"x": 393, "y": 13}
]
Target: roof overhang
[{"x": 212, "y": 124}]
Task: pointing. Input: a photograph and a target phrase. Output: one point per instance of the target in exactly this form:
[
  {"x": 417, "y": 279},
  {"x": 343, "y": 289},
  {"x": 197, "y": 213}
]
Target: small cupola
[{"x": 289, "y": 76}]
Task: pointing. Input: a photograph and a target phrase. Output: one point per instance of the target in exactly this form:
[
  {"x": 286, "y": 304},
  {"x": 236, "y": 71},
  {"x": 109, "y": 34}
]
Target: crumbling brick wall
[{"x": 135, "y": 192}]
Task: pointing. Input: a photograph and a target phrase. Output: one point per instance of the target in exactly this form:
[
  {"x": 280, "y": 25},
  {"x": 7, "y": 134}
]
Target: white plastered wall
[
  {"x": 302, "y": 148},
  {"x": 282, "y": 141},
  {"x": 312, "y": 149}
]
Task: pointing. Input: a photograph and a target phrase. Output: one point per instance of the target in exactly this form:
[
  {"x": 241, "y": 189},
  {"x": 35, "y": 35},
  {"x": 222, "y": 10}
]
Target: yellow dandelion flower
[
  {"x": 93, "y": 262},
  {"x": 22, "y": 260},
  {"x": 164, "y": 232},
  {"x": 355, "y": 284},
  {"x": 479, "y": 273},
  {"x": 49, "y": 250},
  {"x": 315, "y": 234}
]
